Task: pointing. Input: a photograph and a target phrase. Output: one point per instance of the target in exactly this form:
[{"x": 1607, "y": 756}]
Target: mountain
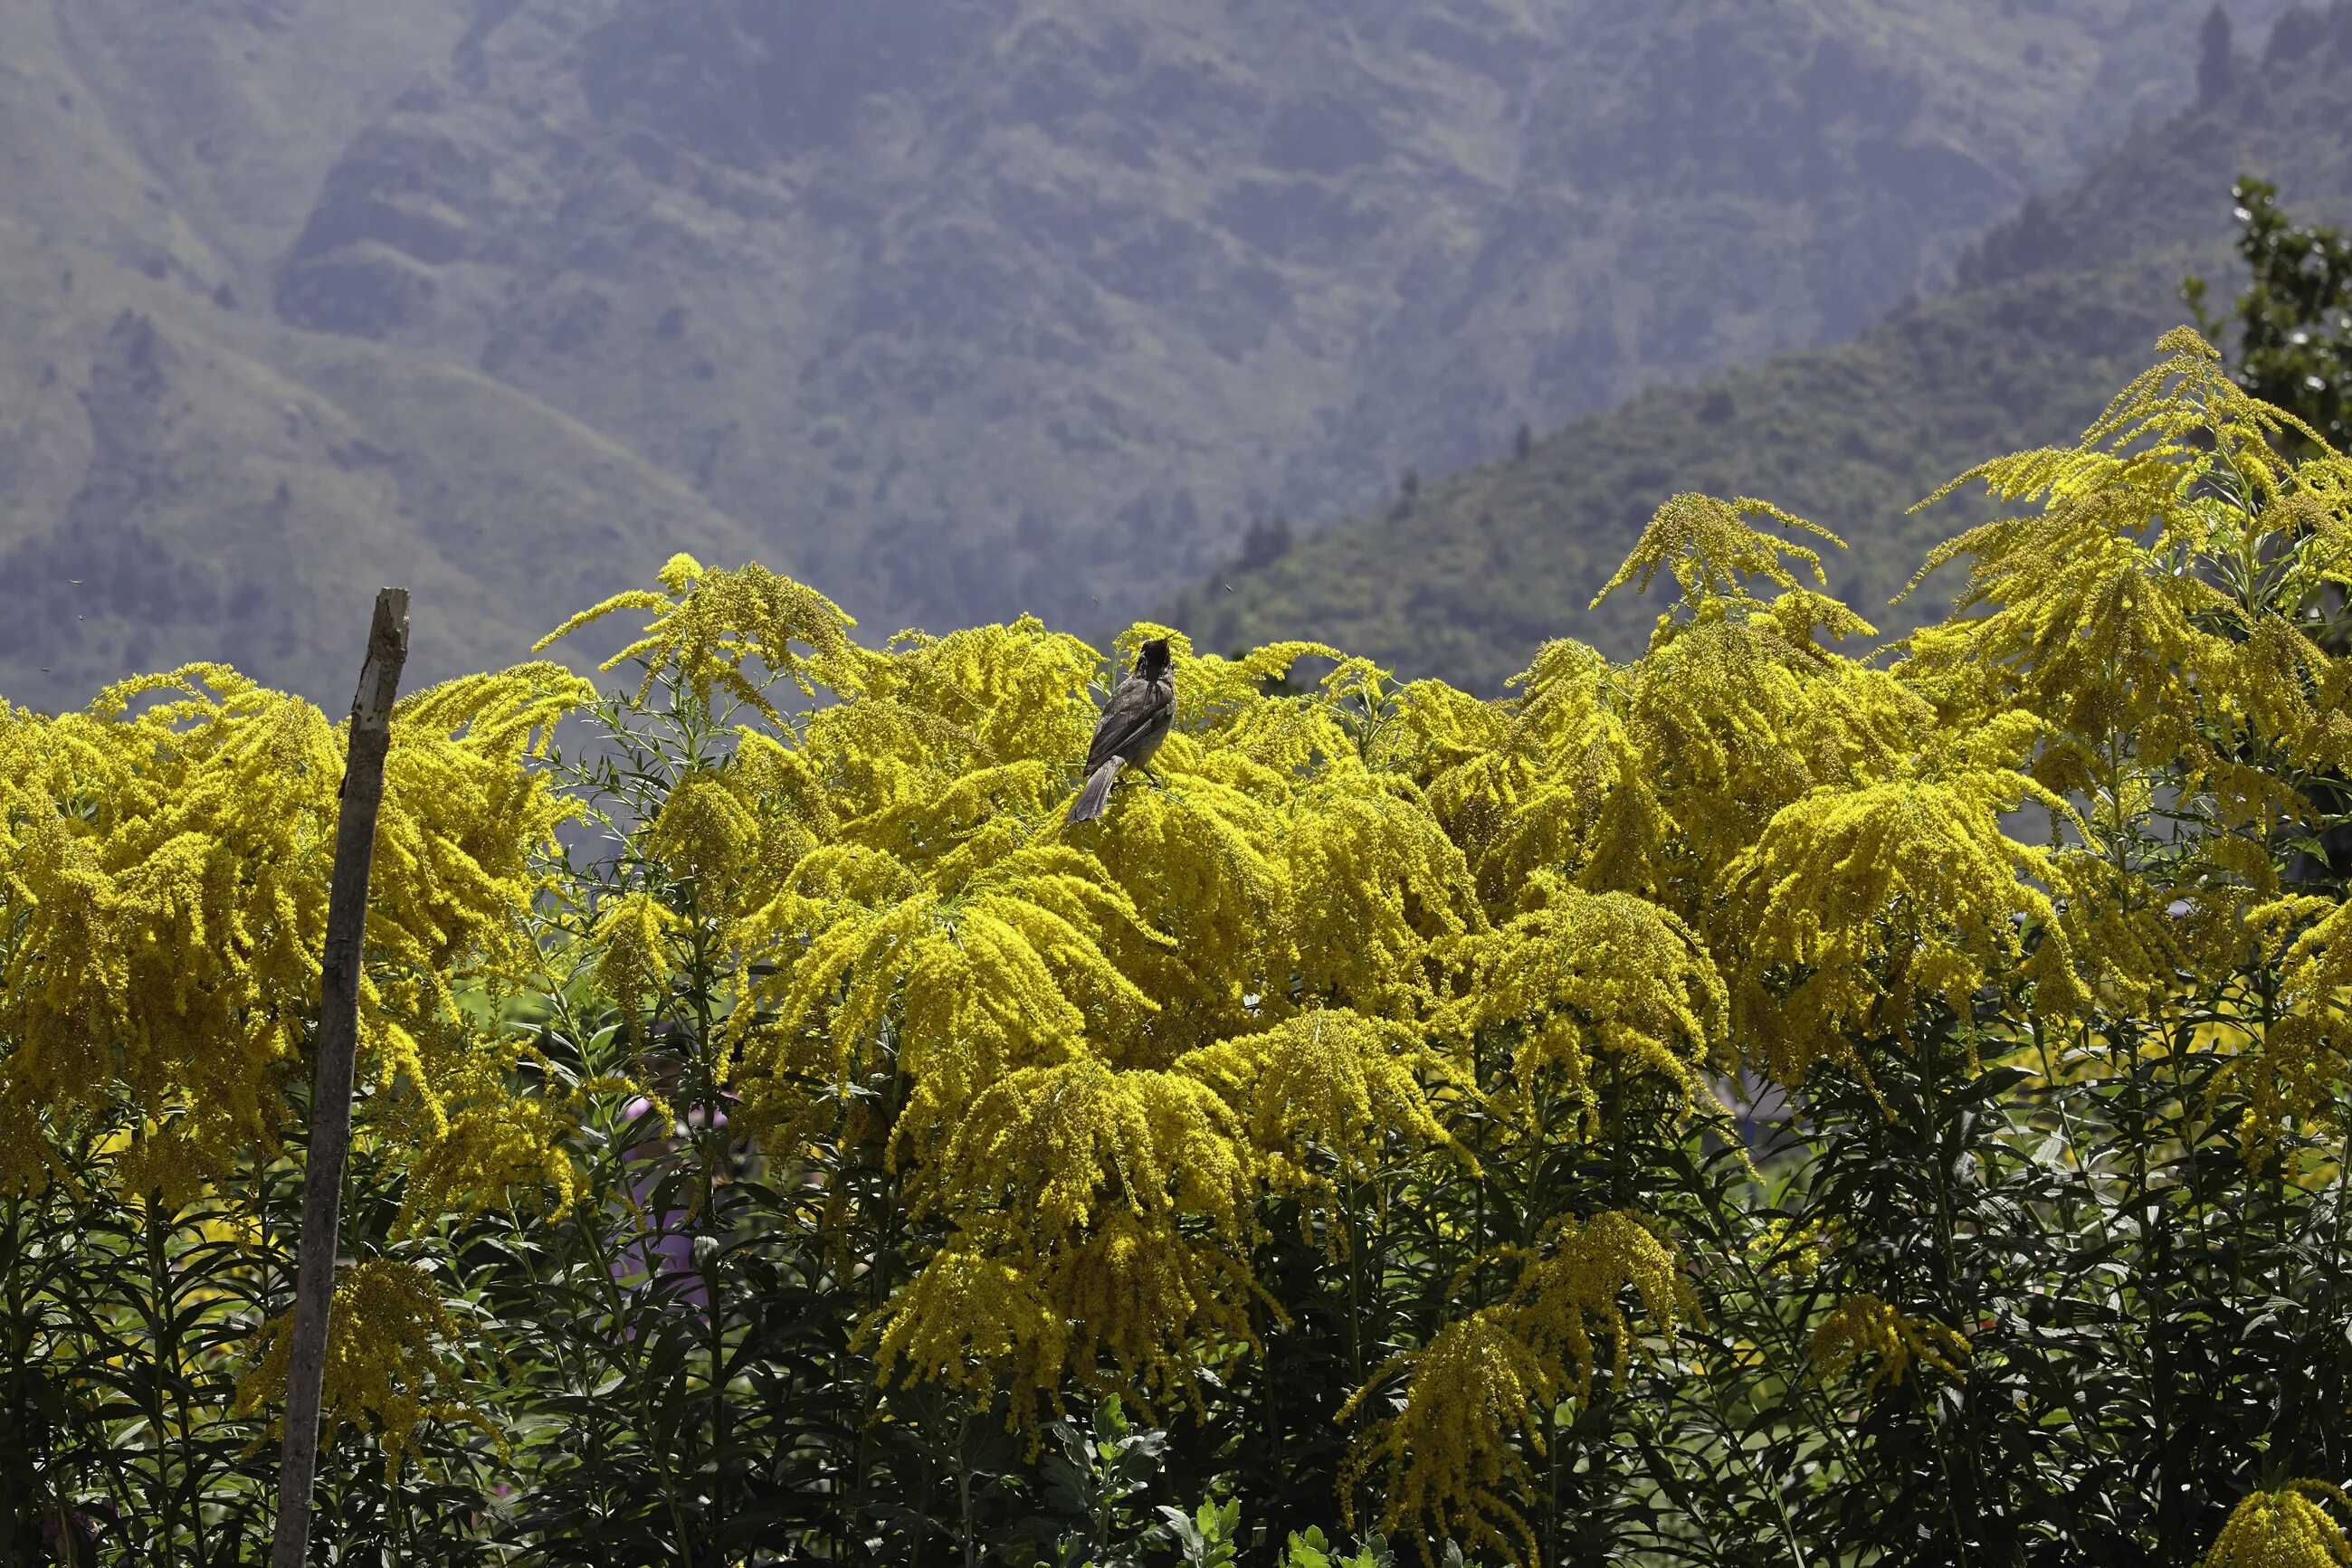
[
  {"x": 2056, "y": 308},
  {"x": 184, "y": 477},
  {"x": 220, "y": 489},
  {"x": 955, "y": 308}
]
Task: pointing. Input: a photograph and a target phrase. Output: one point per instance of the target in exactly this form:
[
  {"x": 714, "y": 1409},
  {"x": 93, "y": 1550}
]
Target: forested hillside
[
  {"x": 957, "y": 309},
  {"x": 1466, "y": 577}
]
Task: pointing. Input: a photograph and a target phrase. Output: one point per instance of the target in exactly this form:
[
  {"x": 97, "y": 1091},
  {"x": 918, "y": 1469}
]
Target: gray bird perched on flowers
[{"x": 1131, "y": 728}]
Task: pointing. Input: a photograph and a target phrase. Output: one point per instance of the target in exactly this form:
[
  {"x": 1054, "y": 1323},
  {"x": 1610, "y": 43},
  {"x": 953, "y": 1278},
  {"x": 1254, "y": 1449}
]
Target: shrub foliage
[{"x": 1745, "y": 1106}]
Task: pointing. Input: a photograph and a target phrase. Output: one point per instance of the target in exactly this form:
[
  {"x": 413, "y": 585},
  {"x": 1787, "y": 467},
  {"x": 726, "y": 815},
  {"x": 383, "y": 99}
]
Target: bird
[{"x": 1130, "y": 730}]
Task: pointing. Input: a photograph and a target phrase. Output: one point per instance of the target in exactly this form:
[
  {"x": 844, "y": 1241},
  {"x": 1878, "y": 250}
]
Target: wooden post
[{"x": 330, "y": 1087}]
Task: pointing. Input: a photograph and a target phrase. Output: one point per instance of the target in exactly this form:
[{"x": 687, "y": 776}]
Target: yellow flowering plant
[
  {"x": 1756, "y": 1101},
  {"x": 1040, "y": 1108},
  {"x": 165, "y": 858},
  {"x": 386, "y": 1372},
  {"x": 2287, "y": 1528}
]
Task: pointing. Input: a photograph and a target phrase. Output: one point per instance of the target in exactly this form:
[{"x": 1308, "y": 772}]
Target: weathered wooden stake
[{"x": 330, "y": 1088}]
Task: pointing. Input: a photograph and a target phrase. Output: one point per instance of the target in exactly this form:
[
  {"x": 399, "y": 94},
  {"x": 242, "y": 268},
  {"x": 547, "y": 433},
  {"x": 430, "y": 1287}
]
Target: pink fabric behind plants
[{"x": 665, "y": 1246}]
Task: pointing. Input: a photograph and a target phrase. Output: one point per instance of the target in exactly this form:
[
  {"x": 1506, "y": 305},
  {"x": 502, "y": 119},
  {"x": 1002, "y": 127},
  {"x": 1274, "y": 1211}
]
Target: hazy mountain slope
[
  {"x": 2289, "y": 116},
  {"x": 226, "y": 489},
  {"x": 1647, "y": 236},
  {"x": 975, "y": 305},
  {"x": 1466, "y": 580},
  {"x": 191, "y": 136},
  {"x": 221, "y": 485},
  {"x": 956, "y": 307}
]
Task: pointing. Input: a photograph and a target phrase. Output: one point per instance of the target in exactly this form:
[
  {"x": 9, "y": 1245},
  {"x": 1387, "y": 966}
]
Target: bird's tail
[{"x": 1097, "y": 794}]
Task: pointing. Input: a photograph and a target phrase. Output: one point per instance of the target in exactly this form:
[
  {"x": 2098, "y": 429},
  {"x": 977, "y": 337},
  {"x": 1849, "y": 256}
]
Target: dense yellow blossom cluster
[
  {"x": 1347, "y": 925},
  {"x": 385, "y": 1369},
  {"x": 165, "y": 857},
  {"x": 1489, "y": 1382},
  {"x": 1865, "y": 1331},
  {"x": 2288, "y": 1528}
]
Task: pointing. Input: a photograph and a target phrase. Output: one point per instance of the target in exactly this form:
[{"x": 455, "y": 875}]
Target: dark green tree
[
  {"x": 1264, "y": 543},
  {"x": 2288, "y": 339},
  {"x": 2289, "y": 335},
  {"x": 2213, "y": 59}
]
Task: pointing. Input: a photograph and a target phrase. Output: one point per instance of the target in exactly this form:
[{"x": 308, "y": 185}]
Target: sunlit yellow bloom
[
  {"x": 1487, "y": 1385},
  {"x": 2295, "y": 1065},
  {"x": 2087, "y": 619},
  {"x": 1374, "y": 883},
  {"x": 706, "y": 622},
  {"x": 2288, "y": 1528},
  {"x": 633, "y": 939},
  {"x": 1568, "y": 787},
  {"x": 385, "y": 1372},
  {"x": 1591, "y": 983},
  {"x": 1122, "y": 1198},
  {"x": 1453, "y": 1454},
  {"x": 1865, "y": 1330},
  {"x": 1325, "y": 1085},
  {"x": 1854, "y": 905},
  {"x": 167, "y": 853},
  {"x": 1709, "y": 548}
]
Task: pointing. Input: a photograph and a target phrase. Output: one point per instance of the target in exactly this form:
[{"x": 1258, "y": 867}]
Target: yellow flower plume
[
  {"x": 1862, "y": 1329},
  {"x": 386, "y": 1372},
  {"x": 2287, "y": 1528}
]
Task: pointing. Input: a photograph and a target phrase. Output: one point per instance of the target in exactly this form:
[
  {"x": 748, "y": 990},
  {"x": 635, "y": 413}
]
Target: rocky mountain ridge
[
  {"x": 2057, "y": 309},
  {"x": 956, "y": 309}
]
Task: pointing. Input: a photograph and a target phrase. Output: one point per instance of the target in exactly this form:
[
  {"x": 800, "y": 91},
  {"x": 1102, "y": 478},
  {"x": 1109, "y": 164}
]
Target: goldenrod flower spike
[
  {"x": 2288, "y": 1528},
  {"x": 1327, "y": 1085},
  {"x": 1115, "y": 1203},
  {"x": 1878, "y": 897},
  {"x": 1478, "y": 1390},
  {"x": 1863, "y": 1330},
  {"x": 708, "y": 622},
  {"x": 386, "y": 1373},
  {"x": 2132, "y": 604},
  {"x": 1595, "y": 985},
  {"x": 1713, "y": 550}
]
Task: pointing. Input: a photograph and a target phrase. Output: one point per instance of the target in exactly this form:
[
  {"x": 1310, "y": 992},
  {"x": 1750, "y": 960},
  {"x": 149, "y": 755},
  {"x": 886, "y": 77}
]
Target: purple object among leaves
[{"x": 664, "y": 1247}]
